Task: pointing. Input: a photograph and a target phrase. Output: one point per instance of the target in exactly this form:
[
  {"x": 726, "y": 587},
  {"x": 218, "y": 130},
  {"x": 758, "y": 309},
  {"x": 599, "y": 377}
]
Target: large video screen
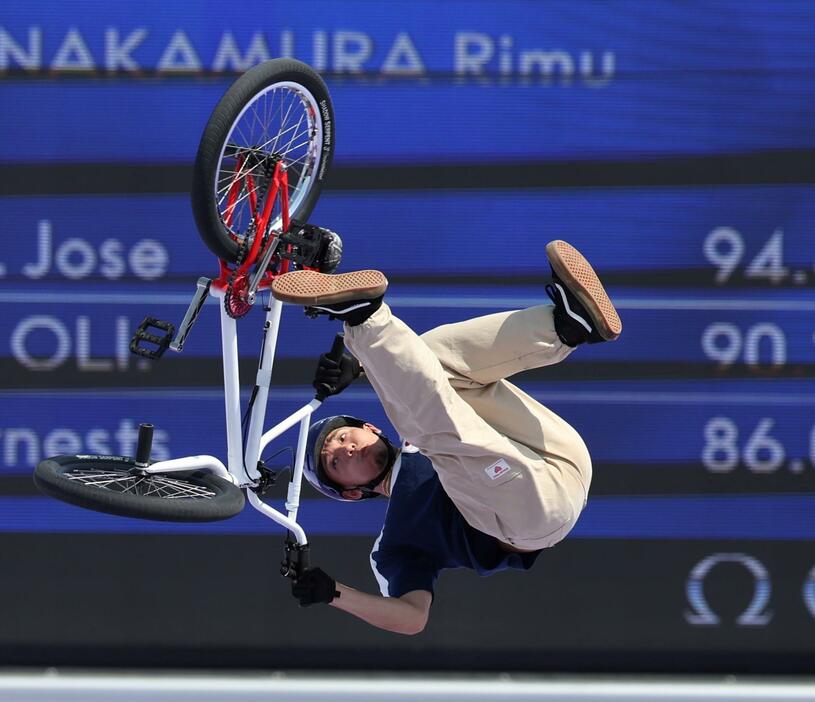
[{"x": 671, "y": 142}]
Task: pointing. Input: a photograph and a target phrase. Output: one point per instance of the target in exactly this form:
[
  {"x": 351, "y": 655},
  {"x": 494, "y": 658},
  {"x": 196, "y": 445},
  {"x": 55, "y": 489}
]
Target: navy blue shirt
[{"x": 425, "y": 533}]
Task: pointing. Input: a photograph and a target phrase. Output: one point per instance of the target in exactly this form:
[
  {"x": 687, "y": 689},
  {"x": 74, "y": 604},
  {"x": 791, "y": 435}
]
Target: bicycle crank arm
[{"x": 197, "y": 302}]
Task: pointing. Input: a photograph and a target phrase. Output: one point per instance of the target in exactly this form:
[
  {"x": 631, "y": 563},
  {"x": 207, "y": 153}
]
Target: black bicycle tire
[
  {"x": 49, "y": 479},
  {"x": 204, "y": 207}
]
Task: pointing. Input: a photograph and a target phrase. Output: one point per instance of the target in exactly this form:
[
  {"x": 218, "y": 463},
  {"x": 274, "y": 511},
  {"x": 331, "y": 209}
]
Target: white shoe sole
[{"x": 313, "y": 289}]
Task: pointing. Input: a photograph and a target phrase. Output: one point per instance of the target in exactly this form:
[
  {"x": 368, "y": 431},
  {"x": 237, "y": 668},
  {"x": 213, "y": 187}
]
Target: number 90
[{"x": 723, "y": 342}]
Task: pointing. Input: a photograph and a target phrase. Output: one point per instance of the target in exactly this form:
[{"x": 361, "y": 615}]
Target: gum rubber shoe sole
[
  {"x": 578, "y": 275},
  {"x": 310, "y": 288}
]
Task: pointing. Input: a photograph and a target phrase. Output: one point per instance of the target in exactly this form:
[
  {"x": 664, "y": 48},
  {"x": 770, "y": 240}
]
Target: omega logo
[
  {"x": 809, "y": 591},
  {"x": 756, "y": 613}
]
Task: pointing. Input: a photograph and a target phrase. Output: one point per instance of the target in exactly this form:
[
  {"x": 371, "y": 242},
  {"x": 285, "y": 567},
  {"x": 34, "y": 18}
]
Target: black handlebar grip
[
  {"x": 335, "y": 354},
  {"x": 144, "y": 445},
  {"x": 337, "y": 347},
  {"x": 304, "y": 562}
]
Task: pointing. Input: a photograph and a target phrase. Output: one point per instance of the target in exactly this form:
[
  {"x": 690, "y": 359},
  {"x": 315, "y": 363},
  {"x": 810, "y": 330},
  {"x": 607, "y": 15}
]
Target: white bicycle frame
[{"x": 242, "y": 469}]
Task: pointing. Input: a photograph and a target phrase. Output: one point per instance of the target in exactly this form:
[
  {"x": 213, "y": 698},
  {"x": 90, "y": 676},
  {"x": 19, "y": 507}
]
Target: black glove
[
  {"x": 314, "y": 587},
  {"x": 332, "y": 377}
]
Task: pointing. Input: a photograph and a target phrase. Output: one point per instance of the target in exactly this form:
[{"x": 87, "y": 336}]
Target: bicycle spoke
[
  {"x": 296, "y": 146},
  {"x": 257, "y": 165},
  {"x": 256, "y": 119},
  {"x": 282, "y": 126},
  {"x": 264, "y": 123},
  {"x": 242, "y": 173},
  {"x": 286, "y": 131},
  {"x": 147, "y": 485},
  {"x": 267, "y": 113},
  {"x": 246, "y": 141},
  {"x": 238, "y": 201},
  {"x": 280, "y": 122},
  {"x": 296, "y": 127}
]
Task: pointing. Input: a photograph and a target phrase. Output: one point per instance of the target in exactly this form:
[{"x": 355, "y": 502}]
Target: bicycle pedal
[
  {"x": 160, "y": 341},
  {"x": 311, "y": 246}
]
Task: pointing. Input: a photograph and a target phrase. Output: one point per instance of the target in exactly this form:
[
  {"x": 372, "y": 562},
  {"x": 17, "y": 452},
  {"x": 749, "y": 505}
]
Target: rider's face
[{"x": 353, "y": 456}]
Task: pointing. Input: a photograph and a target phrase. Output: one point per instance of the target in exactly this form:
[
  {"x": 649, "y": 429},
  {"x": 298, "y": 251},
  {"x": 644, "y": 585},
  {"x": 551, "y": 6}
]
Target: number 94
[{"x": 724, "y": 248}]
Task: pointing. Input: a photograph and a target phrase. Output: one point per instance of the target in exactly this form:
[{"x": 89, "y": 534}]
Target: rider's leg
[
  {"x": 479, "y": 353},
  {"x": 500, "y": 486},
  {"x": 490, "y": 348},
  {"x": 482, "y": 350}
]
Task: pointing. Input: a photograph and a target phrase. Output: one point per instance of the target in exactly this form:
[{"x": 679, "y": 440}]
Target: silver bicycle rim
[
  {"x": 147, "y": 485},
  {"x": 281, "y": 119}
]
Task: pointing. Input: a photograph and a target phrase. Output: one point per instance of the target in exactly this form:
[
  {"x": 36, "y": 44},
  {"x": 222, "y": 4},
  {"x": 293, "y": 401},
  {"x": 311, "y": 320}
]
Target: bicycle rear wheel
[
  {"x": 280, "y": 110},
  {"x": 115, "y": 485}
]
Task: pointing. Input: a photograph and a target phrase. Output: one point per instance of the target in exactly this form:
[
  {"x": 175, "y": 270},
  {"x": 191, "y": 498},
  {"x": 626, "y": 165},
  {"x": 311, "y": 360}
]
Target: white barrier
[{"x": 175, "y": 687}]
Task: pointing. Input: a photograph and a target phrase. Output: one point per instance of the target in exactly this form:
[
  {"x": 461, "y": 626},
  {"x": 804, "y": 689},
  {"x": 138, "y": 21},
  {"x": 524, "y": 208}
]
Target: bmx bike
[{"x": 258, "y": 173}]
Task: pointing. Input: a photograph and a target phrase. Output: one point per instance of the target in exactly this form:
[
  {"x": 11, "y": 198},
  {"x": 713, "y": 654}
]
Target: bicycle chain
[{"x": 243, "y": 251}]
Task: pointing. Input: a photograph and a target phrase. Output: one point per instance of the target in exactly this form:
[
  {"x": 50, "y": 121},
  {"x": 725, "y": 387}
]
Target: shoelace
[{"x": 550, "y": 291}]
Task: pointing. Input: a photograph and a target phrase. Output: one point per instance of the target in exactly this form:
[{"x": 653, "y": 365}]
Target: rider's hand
[
  {"x": 332, "y": 377},
  {"x": 314, "y": 586}
]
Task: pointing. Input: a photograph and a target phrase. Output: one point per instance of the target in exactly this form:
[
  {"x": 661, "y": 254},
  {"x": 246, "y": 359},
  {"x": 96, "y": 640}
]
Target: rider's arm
[{"x": 403, "y": 615}]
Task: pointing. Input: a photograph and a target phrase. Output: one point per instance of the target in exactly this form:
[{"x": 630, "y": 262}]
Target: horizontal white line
[
  {"x": 303, "y": 395},
  {"x": 100, "y": 298},
  {"x": 713, "y": 304},
  {"x": 577, "y": 397},
  {"x": 681, "y": 398},
  {"x": 484, "y": 688},
  {"x": 620, "y": 303},
  {"x": 441, "y": 301}
]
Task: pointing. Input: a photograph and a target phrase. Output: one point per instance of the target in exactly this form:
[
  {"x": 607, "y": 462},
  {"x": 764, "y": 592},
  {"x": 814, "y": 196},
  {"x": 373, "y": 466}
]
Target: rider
[{"x": 486, "y": 476}]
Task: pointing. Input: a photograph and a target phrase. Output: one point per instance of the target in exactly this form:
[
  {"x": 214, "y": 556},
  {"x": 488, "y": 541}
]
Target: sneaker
[
  {"x": 583, "y": 310},
  {"x": 351, "y": 297}
]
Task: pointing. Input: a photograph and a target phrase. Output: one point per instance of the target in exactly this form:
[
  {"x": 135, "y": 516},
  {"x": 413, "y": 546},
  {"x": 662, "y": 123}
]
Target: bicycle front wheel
[
  {"x": 115, "y": 485},
  {"x": 280, "y": 110}
]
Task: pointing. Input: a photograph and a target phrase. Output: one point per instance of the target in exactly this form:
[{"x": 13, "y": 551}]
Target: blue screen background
[{"x": 627, "y": 82}]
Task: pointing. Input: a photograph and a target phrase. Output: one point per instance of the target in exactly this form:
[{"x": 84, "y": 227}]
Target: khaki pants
[{"x": 513, "y": 468}]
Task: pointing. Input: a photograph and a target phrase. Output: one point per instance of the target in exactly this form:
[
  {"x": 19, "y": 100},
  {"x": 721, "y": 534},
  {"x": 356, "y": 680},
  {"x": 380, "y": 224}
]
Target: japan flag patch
[{"x": 497, "y": 469}]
